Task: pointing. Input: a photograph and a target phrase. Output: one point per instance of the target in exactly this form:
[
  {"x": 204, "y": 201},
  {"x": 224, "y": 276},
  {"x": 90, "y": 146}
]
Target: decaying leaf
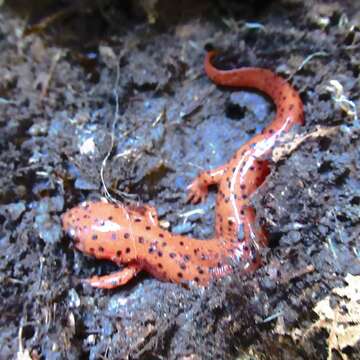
[{"x": 342, "y": 320}]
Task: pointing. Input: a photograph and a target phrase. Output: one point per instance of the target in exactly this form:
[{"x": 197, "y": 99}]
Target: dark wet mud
[{"x": 116, "y": 95}]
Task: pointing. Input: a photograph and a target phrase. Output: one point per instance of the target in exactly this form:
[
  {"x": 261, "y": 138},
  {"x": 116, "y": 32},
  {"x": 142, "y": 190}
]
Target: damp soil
[{"x": 115, "y": 95}]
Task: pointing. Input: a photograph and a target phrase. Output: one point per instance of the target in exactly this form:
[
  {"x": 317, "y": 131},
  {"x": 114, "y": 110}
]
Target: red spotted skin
[{"x": 131, "y": 236}]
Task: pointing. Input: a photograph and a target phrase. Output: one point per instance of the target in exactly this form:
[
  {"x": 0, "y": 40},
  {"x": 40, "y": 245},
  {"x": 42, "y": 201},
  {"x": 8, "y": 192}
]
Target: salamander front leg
[
  {"x": 198, "y": 189},
  {"x": 115, "y": 279}
]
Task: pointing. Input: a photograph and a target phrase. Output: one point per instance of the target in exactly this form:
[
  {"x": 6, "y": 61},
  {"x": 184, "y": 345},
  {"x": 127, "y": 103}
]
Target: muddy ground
[{"x": 87, "y": 74}]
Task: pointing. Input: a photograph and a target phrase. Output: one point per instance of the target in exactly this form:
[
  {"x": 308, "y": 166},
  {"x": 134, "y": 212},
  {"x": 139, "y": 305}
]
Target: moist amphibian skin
[{"x": 131, "y": 236}]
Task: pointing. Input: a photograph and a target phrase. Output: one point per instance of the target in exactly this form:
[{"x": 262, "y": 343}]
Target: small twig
[
  {"x": 232, "y": 24},
  {"x": 22, "y": 354},
  {"x": 187, "y": 214},
  {"x": 107, "y": 194},
  {"x": 196, "y": 166},
  {"x": 306, "y": 60},
  {"x": 273, "y": 316},
  {"x": 160, "y": 117},
  {"x": 49, "y": 20},
  {"x": 332, "y": 247},
  {"x": 112, "y": 135},
  {"x": 46, "y": 83},
  {"x": 254, "y": 25}
]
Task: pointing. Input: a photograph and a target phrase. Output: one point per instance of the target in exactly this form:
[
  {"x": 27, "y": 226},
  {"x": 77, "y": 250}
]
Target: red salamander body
[{"x": 132, "y": 237}]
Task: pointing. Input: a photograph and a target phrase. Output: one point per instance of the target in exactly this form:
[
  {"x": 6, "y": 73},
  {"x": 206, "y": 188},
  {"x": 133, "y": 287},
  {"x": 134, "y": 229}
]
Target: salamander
[{"x": 131, "y": 236}]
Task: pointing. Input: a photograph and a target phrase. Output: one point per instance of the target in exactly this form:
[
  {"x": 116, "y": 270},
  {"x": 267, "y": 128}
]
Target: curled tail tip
[{"x": 211, "y": 53}]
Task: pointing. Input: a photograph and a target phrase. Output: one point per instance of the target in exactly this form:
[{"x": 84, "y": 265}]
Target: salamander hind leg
[
  {"x": 115, "y": 279},
  {"x": 198, "y": 189}
]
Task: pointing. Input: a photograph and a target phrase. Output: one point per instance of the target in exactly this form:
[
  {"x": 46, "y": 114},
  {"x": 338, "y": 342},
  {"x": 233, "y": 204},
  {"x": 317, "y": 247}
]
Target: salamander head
[
  {"x": 75, "y": 225},
  {"x": 94, "y": 229}
]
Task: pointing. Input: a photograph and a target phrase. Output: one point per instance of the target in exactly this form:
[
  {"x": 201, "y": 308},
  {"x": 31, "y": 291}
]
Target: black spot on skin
[
  {"x": 179, "y": 274},
  {"x": 110, "y": 218},
  {"x": 181, "y": 243},
  {"x": 200, "y": 270},
  {"x": 164, "y": 243},
  {"x": 244, "y": 196},
  {"x": 196, "y": 279},
  {"x": 160, "y": 254},
  {"x": 172, "y": 255},
  {"x": 252, "y": 168},
  {"x": 246, "y": 248},
  {"x": 127, "y": 250},
  {"x": 151, "y": 250},
  {"x": 291, "y": 107},
  {"x": 186, "y": 257},
  {"x": 141, "y": 240},
  {"x": 94, "y": 237},
  {"x": 161, "y": 235},
  {"x": 271, "y": 131},
  {"x": 92, "y": 249},
  {"x": 196, "y": 251},
  {"x": 126, "y": 235},
  {"x": 148, "y": 227},
  {"x": 160, "y": 266},
  {"x": 118, "y": 253},
  {"x": 137, "y": 220},
  {"x": 101, "y": 249},
  {"x": 182, "y": 266}
]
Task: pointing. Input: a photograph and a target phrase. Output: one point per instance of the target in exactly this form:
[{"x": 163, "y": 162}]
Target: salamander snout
[{"x": 72, "y": 229}]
